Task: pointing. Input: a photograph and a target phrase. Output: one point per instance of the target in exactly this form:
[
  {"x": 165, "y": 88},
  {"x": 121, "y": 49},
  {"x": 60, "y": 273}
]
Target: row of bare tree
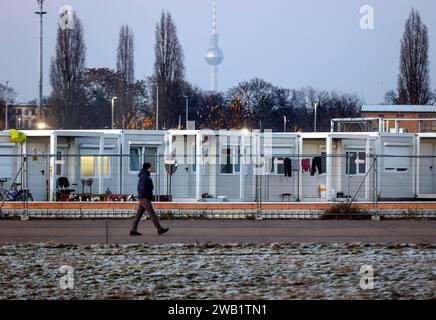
[{"x": 81, "y": 97}]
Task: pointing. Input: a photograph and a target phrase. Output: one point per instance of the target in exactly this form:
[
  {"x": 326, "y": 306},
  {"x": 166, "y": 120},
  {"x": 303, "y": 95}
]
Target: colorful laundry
[
  {"x": 316, "y": 165},
  {"x": 305, "y": 165}
]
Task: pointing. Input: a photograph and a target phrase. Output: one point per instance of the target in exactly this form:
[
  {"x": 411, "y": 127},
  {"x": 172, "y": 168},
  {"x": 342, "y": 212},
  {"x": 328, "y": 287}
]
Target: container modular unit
[
  {"x": 396, "y": 166},
  {"x": 75, "y": 154},
  {"x": 229, "y": 165},
  {"x": 426, "y": 166}
]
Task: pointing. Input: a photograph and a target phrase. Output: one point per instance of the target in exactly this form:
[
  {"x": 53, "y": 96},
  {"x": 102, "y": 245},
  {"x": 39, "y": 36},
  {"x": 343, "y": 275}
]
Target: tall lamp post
[
  {"x": 284, "y": 123},
  {"x": 157, "y": 106},
  {"x": 315, "y": 107},
  {"x": 187, "y": 107},
  {"x": 41, "y": 14},
  {"x": 112, "y": 113},
  {"x": 6, "y": 105}
]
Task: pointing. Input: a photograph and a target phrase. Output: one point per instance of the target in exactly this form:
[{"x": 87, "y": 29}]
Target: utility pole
[
  {"x": 6, "y": 105},
  {"x": 112, "y": 113},
  {"x": 41, "y": 14},
  {"x": 315, "y": 106},
  {"x": 187, "y": 107},
  {"x": 157, "y": 107}
]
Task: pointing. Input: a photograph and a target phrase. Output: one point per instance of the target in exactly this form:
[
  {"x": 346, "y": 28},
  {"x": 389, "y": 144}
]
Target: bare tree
[
  {"x": 66, "y": 69},
  {"x": 169, "y": 72},
  {"x": 391, "y": 97},
  {"x": 414, "y": 78},
  {"x": 6, "y": 93},
  {"x": 126, "y": 71},
  {"x": 259, "y": 96}
]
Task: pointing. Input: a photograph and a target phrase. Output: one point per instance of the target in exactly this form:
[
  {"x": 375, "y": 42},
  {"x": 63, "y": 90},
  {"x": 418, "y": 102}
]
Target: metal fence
[{"x": 354, "y": 176}]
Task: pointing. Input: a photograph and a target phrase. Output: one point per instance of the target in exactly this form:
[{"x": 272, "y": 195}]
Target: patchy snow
[{"x": 214, "y": 271}]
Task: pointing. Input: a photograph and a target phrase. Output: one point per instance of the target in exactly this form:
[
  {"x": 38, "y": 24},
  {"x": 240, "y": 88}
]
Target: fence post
[
  {"x": 100, "y": 165},
  {"x": 53, "y": 150}
]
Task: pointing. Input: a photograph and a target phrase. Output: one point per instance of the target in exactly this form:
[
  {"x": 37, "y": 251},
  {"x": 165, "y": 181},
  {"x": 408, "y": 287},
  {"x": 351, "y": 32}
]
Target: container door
[
  {"x": 38, "y": 171},
  {"x": 426, "y": 169}
]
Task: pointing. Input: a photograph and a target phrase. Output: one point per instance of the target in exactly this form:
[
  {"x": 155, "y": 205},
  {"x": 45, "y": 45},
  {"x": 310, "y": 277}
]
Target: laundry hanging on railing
[
  {"x": 305, "y": 165},
  {"x": 287, "y": 164},
  {"x": 316, "y": 164},
  {"x": 295, "y": 164}
]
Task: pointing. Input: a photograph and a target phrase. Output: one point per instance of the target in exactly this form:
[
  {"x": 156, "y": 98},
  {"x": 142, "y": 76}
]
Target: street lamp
[
  {"x": 19, "y": 123},
  {"x": 112, "y": 117},
  {"x": 187, "y": 107},
  {"x": 245, "y": 131},
  {"x": 6, "y": 105},
  {"x": 284, "y": 123},
  {"x": 157, "y": 106},
  {"x": 315, "y": 106},
  {"x": 41, "y": 125}
]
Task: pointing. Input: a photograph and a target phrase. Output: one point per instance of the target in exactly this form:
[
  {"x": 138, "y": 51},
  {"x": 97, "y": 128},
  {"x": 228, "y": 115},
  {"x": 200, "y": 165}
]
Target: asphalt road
[{"x": 187, "y": 231}]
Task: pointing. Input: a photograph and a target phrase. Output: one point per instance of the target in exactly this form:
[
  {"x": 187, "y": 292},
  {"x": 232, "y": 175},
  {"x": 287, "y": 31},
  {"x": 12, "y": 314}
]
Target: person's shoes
[
  {"x": 162, "y": 230},
  {"x": 135, "y": 233}
]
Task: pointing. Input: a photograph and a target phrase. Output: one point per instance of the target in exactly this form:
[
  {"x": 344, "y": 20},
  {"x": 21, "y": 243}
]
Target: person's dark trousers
[
  {"x": 145, "y": 205},
  {"x": 316, "y": 164}
]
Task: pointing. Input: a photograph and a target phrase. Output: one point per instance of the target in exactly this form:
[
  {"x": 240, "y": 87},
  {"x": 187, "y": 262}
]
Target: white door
[
  {"x": 38, "y": 171},
  {"x": 426, "y": 169}
]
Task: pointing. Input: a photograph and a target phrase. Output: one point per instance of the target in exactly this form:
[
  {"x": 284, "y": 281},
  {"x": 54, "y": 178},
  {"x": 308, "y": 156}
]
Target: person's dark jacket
[{"x": 145, "y": 185}]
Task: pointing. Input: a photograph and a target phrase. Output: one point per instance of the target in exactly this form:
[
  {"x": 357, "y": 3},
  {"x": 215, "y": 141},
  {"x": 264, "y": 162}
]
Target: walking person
[{"x": 145, "y": 194}]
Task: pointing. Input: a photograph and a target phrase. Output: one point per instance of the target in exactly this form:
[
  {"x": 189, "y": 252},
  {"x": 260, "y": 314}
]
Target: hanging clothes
[
  {"x": 305, "y": 165},
  {"x": 316, "y": 164},
  {"x": 287, "y": 164},
  {"x": 295, "y": 164}
]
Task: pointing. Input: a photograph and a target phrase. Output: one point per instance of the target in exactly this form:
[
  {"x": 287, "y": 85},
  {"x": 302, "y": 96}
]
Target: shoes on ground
[{"x": 162, "y": 230}]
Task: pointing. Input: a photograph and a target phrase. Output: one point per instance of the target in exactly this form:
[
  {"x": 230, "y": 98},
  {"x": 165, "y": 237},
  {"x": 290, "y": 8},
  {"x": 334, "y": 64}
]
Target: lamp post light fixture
[
  {"x": 315, "y": 107},
  {"x": 245, "y": 131},
  {"x": 41, "y": 125},
  {"x": 187, "y": 108},
  {"x": 284, "y": 123},
  {"x": 112, "y": 114},
  {"x": 19, "y": 123}
]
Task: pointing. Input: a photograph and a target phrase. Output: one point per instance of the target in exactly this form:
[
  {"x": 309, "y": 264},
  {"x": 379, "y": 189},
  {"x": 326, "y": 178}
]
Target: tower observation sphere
[{"x": 214, "y": 56}]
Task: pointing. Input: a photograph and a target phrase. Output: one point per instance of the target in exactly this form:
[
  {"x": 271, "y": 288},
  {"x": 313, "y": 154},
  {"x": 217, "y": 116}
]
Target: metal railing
[{"x": 282, "y": 178}]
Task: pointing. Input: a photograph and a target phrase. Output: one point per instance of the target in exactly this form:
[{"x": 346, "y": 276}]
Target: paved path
[{"x": 187, "y": 231}]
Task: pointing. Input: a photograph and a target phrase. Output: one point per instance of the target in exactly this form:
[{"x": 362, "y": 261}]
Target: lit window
[
  {"x": 105, "y": 166},
  {"x": 87, "y": 166}
]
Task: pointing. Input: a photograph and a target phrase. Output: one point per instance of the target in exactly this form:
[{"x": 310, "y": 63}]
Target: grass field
[{"x": 218, "y": 271}]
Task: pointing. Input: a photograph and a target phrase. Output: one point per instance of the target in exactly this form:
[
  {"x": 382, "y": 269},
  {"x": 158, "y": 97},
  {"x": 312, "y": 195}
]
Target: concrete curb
[{"x": 202, "y": 214}]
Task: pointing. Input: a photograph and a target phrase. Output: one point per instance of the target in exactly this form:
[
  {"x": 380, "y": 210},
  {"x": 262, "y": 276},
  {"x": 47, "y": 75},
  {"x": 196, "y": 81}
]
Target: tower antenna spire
[{"x": 214, "y": 17}]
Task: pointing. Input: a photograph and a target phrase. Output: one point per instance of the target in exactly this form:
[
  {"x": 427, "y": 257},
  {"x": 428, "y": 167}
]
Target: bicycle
[{"x": 15, "y": 194}]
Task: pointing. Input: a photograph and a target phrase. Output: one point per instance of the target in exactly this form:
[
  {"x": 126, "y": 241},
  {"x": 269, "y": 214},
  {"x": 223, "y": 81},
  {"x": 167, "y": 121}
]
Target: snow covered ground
[{"x": 213, "y": 271}]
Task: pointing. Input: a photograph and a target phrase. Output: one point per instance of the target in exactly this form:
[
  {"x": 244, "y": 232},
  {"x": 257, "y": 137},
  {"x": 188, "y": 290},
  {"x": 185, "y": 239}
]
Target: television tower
[{"x": 214, "y": 55}]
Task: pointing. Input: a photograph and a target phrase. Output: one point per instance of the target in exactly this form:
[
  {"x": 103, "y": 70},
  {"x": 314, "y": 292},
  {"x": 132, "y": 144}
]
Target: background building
[{"x": 404, "y": 112}]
